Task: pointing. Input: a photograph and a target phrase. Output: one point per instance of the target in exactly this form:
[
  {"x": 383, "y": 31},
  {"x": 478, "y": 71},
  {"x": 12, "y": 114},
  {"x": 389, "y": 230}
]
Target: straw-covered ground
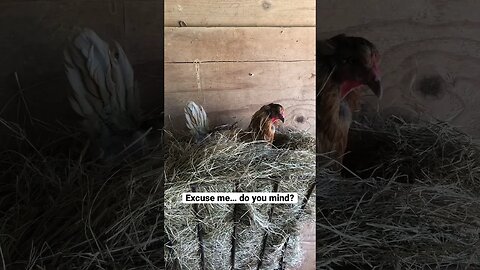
[
  {"x": 245, "y": 236},
  {"x": 412, "y": 201},
  {"x": 60, "y": 209}
]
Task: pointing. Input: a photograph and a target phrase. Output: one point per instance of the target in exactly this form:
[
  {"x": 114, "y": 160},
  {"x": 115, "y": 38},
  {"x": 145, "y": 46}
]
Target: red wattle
[{"x": 347, "y": 86}]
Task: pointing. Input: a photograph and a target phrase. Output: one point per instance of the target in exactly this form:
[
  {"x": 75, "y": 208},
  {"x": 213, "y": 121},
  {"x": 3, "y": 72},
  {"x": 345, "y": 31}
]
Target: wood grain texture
[
  {"x": 430, "y": 54},
  {"x": 185, "y": 44},
  {"x": 233, "y": 71},
  {"x": 232, "y": 92},
  {"x": 240, "y": 13}
]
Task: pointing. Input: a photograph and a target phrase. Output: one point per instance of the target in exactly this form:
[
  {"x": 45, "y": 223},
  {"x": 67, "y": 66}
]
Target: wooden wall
[
  {"x": 32, "y": 37},
  {"x": 430, "y": 53},
  {"x": 235, "y": 57}
]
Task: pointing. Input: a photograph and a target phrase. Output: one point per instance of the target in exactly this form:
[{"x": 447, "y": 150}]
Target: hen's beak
[
  {"x": 376, "y": 87},
  {"x": 282, "y": 118},
  {"x": 374, "y": 82}
]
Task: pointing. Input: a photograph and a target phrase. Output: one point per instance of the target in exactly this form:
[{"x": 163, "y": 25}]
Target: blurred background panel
[
  {"x": 33, "y": 34},
  {"x": 430, "y": 54}
]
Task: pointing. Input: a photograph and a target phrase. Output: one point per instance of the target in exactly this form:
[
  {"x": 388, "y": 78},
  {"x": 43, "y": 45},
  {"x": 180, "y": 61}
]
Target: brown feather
[
  {"x": 262, "y": 126},
  {"x": 332, "y": 125},
  {"x": 344, "y": 63},
  {"x": 353, "y": 100}
]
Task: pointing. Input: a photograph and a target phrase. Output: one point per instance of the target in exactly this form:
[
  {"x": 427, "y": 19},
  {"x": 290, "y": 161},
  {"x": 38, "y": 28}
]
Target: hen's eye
[{"x": 347, "y": 60}]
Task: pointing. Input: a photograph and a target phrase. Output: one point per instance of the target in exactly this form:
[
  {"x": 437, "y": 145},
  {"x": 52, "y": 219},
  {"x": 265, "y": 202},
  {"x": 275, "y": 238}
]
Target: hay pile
[
  {"x": 415, "y": 206},
  {"x": 205, "y": 236},
  {"x": 61, "y": 210}
]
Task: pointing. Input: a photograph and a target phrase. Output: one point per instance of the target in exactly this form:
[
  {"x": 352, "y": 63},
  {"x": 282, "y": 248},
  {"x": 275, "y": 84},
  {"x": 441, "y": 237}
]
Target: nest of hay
[
  {"x": 61, "y": 210},
  {"x": 245, "y": 236},
  {"x": 411, "y": 200}
]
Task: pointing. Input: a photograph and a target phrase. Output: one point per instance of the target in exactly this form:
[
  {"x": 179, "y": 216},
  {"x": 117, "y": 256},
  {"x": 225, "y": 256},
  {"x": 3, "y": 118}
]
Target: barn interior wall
[{"x": 232, "y": 58}]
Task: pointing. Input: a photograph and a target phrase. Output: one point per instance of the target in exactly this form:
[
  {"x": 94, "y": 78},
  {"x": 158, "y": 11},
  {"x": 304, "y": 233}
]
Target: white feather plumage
[
  {"x": 196, "y": 120},
  {"x": 103, "y": 90}
]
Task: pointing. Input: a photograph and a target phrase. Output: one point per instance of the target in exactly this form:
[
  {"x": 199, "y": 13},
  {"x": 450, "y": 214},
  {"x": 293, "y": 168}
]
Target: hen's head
[
  {"x": 353, "y": 61},
  {"x": 275, "y": 112}
]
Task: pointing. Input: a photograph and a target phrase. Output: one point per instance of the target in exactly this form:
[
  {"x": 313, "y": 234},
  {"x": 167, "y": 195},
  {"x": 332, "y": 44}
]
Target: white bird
[
  {"x": 196, "y": 121},
  {"x": 104, "y": 93}
]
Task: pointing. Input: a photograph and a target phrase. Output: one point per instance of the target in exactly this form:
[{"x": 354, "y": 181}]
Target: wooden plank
[
  {"x": 240, "y": 76},
  {"x": 347, "y": 14},
  {"x": 300, "y": 113},
  {"x": 240, "y": 13},
  {"x": 233, "y": 71},
  {"x": 183, "y": 44},
  {"x": 430, "y": 54},
  {"x": 234, "y": 91}
]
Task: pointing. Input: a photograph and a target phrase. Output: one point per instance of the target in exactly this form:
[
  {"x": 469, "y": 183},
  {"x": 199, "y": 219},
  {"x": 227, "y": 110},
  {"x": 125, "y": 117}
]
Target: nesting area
[
  {"x": 242, "y": 236},
  {"x": 411, "y": 199},
  {"x": 62, "y": 210}
]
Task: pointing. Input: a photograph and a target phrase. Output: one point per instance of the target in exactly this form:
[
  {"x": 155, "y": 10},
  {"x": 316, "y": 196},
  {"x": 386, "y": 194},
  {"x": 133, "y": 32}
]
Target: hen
[
  {"x": 264, "y": 122},
  {"x": 104, "y": 94},
  {"x": 344, "y": 64},
  {"x": 262, "y": 125}
]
